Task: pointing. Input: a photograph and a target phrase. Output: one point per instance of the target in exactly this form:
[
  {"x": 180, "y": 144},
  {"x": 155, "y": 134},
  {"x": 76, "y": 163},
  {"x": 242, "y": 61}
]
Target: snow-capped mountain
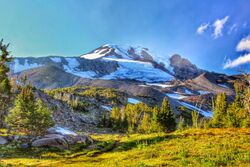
[
  {"x": 136, "y": 63},
  {"x": 106, "y": 62}
]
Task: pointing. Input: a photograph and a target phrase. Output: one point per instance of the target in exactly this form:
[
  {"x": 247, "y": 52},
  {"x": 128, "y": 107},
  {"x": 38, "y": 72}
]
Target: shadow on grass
[{"x": 141, "y": 143}]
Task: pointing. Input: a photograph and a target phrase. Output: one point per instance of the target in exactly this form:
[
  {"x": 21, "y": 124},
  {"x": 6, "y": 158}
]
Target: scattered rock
[
  {"x": 3, "y": 141},
  {"x": 24, "y": 146}
]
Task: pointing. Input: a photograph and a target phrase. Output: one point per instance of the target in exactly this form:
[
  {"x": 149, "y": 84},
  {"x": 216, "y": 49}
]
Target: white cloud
[
  {"x": 202, "y": 28},
  {"x": 233, "y": 28},
  {"x": 218, "y": 27},
  {"x": 239, "y": 61},
  {"x": 244, "y": 44}
]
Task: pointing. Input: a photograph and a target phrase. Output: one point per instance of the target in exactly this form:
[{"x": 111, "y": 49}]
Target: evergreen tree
[
  {"x": 239, "y": 94},
  {"x": 28, "y": 116},
  {"x": 156, "y": 126},
  {"x": 124, "y": 124},
  {"x": 116, "y": 118},
  {"x": 220, "y": 113},
  {"x": 166, "y": 117},
  {"x": 5, "y": 87},
  {"x": 181, "y": 123},
  {"x": 40, "y": 119},
  {"x": 195, "y": 117},
  {"x": 246, "y": 121},
  {"x": 145, "y": 125},
  {"x": 103, "y": 122},
  {"x": 232, "y": 117}
]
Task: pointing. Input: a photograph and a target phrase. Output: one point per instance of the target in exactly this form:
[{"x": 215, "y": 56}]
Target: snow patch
[
  {"x": 71, "y": 68},
  {"x": 223, "y": 85},
  {"x": 106, "y": 108},
  {"x": 208, "y": 114},
  {"x": 188, "y": 92},
  {"x": 72, "y": 62},
  {"x": 175, "y": 96},
  {"x": 64, "y": 131},
  {"x": 133, "y": 101},
  {"x": 141, "y": 71},
  {"x": 17, "y": 67},
  {"x": 95, "y": 55},
  {"x": 202, "y": 92},
  {"x": 56, "y": 59},
  {"x": 160, "y": 85}
]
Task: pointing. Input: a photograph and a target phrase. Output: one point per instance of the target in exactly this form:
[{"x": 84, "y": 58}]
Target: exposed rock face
[
  {"x": 49, "y": 77},
  {"x": 212, "y": 82},
  {"x": 64, "y": 116},
  {"x": 183, "y": 68},
  {"x": 3, "y": 141}
]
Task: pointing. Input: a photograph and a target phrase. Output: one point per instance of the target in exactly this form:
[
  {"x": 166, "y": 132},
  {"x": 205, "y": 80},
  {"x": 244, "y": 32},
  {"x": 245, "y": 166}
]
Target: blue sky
[{"x": 205, "y": 32}]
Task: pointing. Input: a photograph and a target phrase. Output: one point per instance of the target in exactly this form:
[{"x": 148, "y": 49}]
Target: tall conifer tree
[
  {"x": 5, "y": 87},
  {"x": 166, "y": 116}
]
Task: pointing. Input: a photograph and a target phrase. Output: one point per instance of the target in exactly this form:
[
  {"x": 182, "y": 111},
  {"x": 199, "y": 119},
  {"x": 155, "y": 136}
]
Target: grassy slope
[{"x": 194, "y": 147}]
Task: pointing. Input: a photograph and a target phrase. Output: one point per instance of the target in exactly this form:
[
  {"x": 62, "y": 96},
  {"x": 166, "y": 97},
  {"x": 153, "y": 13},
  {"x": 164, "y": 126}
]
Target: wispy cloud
[
  {"x": 239, "y": 61},
  {"x": 233, "y": 28},
  {"x": 202, "y": 28},
  {"x": 244, "y": 44},
  {"x": 218, "y": 27}
]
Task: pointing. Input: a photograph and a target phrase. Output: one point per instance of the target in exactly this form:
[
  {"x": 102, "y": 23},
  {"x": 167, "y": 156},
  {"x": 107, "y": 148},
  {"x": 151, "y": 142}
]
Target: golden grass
[{"x": 193, "y": 147}]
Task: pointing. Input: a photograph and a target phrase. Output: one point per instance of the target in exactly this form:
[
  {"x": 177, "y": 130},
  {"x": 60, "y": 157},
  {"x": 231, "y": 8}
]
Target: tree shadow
[{"x": 125, "y": 146}]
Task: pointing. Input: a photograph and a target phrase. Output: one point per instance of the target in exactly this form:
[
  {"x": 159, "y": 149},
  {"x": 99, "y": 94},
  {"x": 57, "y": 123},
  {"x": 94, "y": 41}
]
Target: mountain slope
[{"x": 107, "y": 62}]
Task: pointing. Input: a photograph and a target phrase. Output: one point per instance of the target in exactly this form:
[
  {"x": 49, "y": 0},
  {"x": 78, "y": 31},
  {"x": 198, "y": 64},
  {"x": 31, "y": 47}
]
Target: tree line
[{"x": 141, "y": 118}]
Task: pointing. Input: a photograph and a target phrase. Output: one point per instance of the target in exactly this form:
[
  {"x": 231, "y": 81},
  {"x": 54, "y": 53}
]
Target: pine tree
[
  {"x": 245, "y": 112},
  {"x": 156, "y": 126},
  {"x": 40, "y": 119},
  {"x": 103, "y": 121},
  {"x": 220, "y": 113},
  {"x": 116, "y": 117},
  {"x": 28, "y": 116},
  {"x": 195, "y": 117},
  {"x": 181, "y": 123},
  {"x": 145, "y": 125},
  {"x": 124, "y": 123},
  {"x": 5, "y": 87},
  {"x": 166, "y": 117}
]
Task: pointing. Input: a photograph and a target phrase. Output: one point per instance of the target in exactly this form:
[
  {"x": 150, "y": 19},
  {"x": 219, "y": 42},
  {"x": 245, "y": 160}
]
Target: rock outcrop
[{"x": 183, "y": 68}]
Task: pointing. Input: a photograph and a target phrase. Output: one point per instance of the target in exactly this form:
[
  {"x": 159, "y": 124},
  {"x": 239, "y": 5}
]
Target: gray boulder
[
  {"x": 3, "y": 141},
  {"x": 61, "y": 138},
  {"x": 58, "y": 142}
]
